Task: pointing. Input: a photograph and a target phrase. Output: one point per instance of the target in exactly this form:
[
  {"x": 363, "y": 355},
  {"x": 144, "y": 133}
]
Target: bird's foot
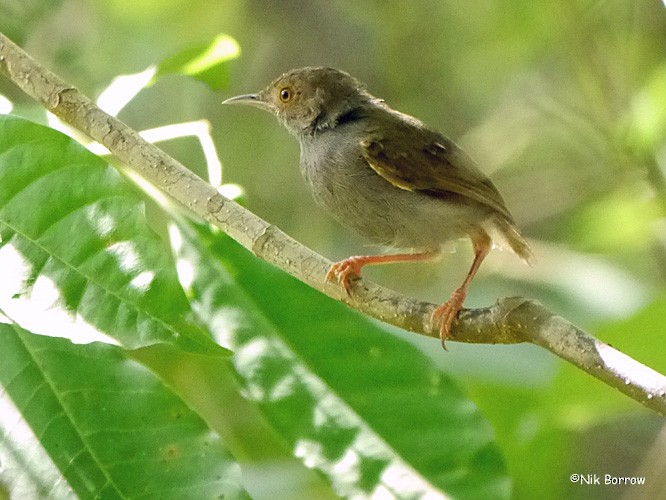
[
  {"x": 446, "y": 314},
  {"x": 345, "y": 271}
]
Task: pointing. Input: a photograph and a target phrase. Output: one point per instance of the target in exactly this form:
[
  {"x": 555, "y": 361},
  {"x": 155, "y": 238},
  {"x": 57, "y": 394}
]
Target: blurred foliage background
[{"x": 562, "y": 103}]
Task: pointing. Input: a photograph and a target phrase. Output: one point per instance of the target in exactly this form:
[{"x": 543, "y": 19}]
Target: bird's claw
[
  {"x": 446, "y": 314},
  {"x": 344, "y": 272}
]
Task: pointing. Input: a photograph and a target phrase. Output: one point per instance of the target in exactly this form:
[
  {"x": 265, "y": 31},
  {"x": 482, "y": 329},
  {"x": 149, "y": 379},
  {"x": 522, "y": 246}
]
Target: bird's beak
[{"x": 249, "y": 99}]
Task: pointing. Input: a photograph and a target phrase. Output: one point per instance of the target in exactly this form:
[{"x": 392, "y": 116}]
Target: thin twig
[{"x": 510, "y": 320}]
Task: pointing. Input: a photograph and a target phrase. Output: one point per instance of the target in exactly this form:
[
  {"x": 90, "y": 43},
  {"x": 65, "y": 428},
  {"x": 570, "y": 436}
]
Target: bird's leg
[
  {"x": 448, "y": 311},
  {"x": 350, "y": 268}
]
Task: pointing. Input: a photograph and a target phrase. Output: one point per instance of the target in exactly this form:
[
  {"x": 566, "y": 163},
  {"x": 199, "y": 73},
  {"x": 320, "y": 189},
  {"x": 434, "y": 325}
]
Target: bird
[{"x": 387, "y": 176}]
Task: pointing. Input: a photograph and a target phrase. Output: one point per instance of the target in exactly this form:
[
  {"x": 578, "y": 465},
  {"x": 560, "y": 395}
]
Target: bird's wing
[{"x": 415, "y": 158}]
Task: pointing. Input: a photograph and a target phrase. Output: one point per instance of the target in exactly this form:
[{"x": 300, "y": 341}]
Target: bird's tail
[{"x": 515, "y": 240}]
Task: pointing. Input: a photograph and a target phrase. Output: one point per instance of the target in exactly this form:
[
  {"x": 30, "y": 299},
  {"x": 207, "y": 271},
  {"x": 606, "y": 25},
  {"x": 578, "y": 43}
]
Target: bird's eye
[{"x": 285, "y": 94}]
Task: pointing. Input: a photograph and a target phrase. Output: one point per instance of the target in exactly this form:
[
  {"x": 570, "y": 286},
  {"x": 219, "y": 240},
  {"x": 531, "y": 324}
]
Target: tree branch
[{"x": 510, "y": 320}]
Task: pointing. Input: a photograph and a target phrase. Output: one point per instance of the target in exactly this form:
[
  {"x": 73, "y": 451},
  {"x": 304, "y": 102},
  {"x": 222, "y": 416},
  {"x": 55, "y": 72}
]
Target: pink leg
[
  {"x": 448, "y": 311},
  {"x": 350, "y": 268}
]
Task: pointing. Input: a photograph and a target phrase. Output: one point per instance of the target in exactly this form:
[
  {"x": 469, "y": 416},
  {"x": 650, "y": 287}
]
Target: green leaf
[
  {"x": 77, "y": 257},
  {"x": 206, "y": 62},
  {"x": 620, "y": 220},
  {"x": 87, "y": 422},
  {"x": 364, "y": 408},
  {"x": 647, "y": 119}
]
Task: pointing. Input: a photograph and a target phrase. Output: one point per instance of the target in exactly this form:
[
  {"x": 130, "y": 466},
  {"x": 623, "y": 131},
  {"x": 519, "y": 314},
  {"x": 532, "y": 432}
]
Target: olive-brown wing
[{"x": 418, "y": 159}]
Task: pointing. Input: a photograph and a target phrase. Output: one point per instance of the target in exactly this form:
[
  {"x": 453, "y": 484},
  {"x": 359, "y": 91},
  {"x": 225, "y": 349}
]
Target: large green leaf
[
  {"x": 77, "y": 258},
  {"x": 84, "y": 421},
  {"x": 364, "y": 408}
]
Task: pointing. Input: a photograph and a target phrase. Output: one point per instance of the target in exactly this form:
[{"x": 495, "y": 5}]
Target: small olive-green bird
[{"x": 387, "y": 176}]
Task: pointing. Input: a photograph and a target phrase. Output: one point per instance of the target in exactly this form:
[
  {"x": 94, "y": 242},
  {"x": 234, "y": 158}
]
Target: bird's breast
[{"x": 344, "y": 185}]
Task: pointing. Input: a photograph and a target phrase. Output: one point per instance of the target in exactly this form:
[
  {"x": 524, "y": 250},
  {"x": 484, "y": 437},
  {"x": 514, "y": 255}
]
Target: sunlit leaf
[
  {"x": 206, "y": 62},
  {"x": 364, "y": 408},
  {"x": 77, "y": 258},
  {"x": 87, "y": 422},
  {"x": 623, "y": 220},
  {"x": 648, "y": 113}
]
